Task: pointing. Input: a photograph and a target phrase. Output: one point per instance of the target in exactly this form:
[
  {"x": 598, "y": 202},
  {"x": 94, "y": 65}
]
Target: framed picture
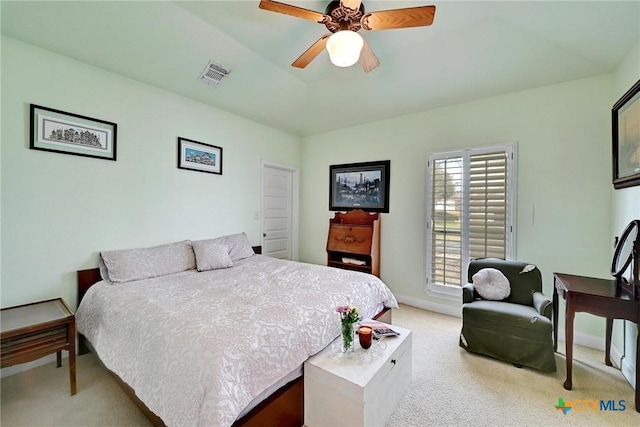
[
  {"x": 197, "y": 156},
  {"x": 360, "y": 186},
  {"x": 67, "y": 133},
  {"x": 626, "y": 139}
]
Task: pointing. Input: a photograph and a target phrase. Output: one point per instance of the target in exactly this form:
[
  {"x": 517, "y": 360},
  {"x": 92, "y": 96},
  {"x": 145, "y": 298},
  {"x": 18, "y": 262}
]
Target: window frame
[{"x": 453, "y": 292}]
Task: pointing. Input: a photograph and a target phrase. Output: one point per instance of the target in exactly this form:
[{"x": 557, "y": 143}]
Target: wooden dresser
[{"x": 353, "y": 242}]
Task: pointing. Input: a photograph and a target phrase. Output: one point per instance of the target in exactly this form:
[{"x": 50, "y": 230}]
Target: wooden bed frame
[{"x": 283, "y": 408}]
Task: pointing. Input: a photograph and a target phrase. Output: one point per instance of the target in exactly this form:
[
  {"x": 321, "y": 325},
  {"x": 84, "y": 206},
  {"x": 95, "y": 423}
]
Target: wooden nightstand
[
  {"x": 32, "y": 331},
  {"x": 353, "y": 392}
]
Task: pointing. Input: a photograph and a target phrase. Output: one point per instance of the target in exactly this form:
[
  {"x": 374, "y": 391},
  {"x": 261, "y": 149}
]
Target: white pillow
[
  {"x": 136, "y": 264},
  {"x": 491, "y": 284},
  {"x": 238, "y": 244},
  {"x": 211, "y": 255}
]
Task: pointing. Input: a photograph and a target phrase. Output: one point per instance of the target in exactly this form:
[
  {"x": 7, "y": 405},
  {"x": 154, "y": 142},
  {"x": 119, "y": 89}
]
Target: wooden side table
[
  {"x": 600, "y": 297},
  {"x": 32, "y": 331}
]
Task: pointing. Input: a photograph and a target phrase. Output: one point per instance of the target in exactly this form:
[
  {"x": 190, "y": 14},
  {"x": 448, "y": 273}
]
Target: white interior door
[{"x": 279, "y": 211}]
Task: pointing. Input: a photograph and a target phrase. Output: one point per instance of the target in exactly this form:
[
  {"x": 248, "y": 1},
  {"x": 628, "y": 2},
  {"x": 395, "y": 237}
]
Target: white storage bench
[{"x": 357, "y": 391}]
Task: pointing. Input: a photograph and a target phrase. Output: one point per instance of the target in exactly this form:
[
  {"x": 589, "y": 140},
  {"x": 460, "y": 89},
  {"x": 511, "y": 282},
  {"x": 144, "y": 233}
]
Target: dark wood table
[
  {"x": 35, "y": 330},
  {"x": 601, "y": 297}
]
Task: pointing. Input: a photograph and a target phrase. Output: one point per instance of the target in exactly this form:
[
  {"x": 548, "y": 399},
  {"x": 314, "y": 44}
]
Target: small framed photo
[
  {"x": 626, "y": 139},
  {"x": 198, "y": 156},
  {"x": 360, "y": 186},
  {"x": 67, "y": 133}
]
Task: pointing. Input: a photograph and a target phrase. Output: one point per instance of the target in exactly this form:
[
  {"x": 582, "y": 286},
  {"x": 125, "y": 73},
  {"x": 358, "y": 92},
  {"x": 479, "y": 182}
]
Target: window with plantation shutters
[
  {"x": 470, "y": 206},
  {"x": 446, "y": 230},
  {"x": 488, "y": 205}
]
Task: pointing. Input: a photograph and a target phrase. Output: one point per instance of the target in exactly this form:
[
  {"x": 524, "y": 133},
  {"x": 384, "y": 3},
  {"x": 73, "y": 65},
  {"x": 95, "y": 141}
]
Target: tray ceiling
[{"x": 473, "y": 50}]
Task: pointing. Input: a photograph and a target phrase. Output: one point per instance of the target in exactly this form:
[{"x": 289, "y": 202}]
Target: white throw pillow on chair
[{"x": 491, "y": 284}]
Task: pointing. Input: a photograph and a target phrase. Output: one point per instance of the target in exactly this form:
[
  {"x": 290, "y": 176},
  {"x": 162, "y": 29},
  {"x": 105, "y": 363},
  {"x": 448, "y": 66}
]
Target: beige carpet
[{"x": 450, "y": 387}]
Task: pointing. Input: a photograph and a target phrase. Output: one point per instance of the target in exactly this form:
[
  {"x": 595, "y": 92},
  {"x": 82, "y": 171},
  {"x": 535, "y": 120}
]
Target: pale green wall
[
  {"x": 59, "y": 210},
  {"x": 626, "y": 207},
  {"x": 563, "y": 181}
]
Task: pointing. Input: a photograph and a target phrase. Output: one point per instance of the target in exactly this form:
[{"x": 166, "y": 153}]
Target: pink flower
[{"x": 342, "y": 309}]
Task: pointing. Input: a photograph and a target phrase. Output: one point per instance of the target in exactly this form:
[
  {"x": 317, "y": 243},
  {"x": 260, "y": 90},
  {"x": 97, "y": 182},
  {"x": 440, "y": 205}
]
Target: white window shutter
[
  {"x": 488, "y": 205},
  {"x": 470, "y": 211},
  {"x": 446, "y": 199}
]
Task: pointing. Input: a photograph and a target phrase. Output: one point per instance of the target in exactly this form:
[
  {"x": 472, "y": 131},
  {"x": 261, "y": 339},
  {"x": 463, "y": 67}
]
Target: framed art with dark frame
[
  {"x": 626, "y": 139},
  {"x": 61, "y": 132},
  {"x": 198, "y": 156},
  {"x": 360, "y": 186}
]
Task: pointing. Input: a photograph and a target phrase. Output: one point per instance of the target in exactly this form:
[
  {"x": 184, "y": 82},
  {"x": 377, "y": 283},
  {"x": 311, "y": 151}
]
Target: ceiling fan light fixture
[{"x": 344, "y": 48}]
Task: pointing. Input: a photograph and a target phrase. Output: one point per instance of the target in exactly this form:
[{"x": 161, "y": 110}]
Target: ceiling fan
[{"x": 346, "y": 18}]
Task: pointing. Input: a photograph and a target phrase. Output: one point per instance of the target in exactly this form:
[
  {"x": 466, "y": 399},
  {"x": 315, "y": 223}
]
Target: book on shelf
[{"x": 353, "y": 261}]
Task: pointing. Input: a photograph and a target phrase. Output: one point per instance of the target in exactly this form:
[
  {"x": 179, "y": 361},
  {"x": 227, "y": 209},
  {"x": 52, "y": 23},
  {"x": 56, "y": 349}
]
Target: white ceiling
[{"x": 474, "y": 49}]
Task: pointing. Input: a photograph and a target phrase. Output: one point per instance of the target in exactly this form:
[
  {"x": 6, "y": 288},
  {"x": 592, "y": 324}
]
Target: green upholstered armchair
[{"x": 517, "y": 329}]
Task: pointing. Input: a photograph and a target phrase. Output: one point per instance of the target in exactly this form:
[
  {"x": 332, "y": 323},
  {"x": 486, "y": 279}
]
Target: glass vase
[{"x": 348, "y": 334}]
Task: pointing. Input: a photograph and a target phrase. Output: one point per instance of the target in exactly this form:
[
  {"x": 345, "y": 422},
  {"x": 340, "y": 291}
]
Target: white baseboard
[
  {"x": 585, "y": 340},
  {"x": 451, "y": 310},
  {"x": 616, "y": 356},
  {"x": 629, "y": 372},
  {"x": 627, "y": 369}
]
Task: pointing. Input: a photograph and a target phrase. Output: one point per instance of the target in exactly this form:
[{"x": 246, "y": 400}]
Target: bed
[{"x": 216, "y": 339}]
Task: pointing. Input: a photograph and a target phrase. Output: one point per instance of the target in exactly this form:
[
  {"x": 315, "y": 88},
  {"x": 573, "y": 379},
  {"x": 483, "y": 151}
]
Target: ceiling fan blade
[
  {"x": 311, "y": 53},
  {"x": 351, "y": 4},
  {"x": 399, "y": 18},
  {"x": 368, "y": 60},
  {"x": 290, "y": 10}
]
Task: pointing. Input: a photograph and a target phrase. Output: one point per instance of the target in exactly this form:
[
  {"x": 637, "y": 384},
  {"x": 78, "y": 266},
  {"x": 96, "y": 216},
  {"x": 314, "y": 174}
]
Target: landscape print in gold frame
[{"x": 626, "y": 139}]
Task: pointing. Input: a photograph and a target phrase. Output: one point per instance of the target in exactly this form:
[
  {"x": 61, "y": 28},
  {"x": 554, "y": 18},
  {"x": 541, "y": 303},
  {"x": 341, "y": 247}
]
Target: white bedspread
[{"x": 198, "y": 347}]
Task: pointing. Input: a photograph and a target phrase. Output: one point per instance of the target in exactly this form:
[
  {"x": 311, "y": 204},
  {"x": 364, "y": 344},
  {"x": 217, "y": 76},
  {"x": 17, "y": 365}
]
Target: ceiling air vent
[{"x": 213, "y": 74}]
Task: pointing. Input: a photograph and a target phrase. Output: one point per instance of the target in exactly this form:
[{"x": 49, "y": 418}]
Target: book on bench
[{"x": 380, "y": 329}]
